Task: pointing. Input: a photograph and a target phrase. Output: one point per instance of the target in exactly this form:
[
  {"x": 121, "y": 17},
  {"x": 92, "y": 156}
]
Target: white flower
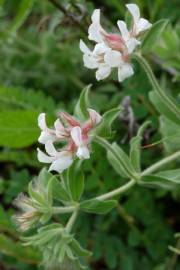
[
  {"x": 139, "y": 24},
  {"x": 60, "y": 160},
  {"x": 48, "y": 134},
  {"x": 113, "y": 50},
  {"x": 94, "y": 117},
  {"x": 80, "y": 142}
]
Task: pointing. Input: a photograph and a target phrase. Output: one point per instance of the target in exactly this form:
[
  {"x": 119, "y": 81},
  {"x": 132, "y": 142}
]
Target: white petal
[
  {"x": 134, "y": 10},
  {"x": 94, "y": 116},
  {"x": 42, "y": 121},
  {"x": 131, "y": 44},
  {"x": 61, "y": 163},
  {"x": 83, "y": 152},
  {"x": 50, "y": 149},
  {"x": 76, "y": 134},
  {"x": 142, "y": 25},
  {"x": 95, "y": 27},
  {"x": 59, "y": 129},
  {"x": 113, "y": 58},
  {"x": 84, "y": 48},
  {"x": 100, "y": 48},
  {"x": 46, "y": 136},
  {"x": 90, "y": 62},
  {"x": 123, "y": 29},
  {"x": 124, "y": 72},
  {"x": 103, "y": 72},
  {"x": 43, "y": 157}
]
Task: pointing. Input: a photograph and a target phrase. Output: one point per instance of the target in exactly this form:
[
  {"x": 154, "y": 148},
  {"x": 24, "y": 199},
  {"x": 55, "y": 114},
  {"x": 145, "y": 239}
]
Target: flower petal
[
  {"x": 59, "y": 129},
  {"x": 84, "y": 48},
  {"x": 103, "y": 72},
  {"x": 100, "y": 49},
  {"x": 142, "y": 25},
  {"x": 42, "y": 121},
  {"x": 113, "y": 58},
  {"x": 95, "y": 28},
  {"x": 123, "y": 29},
  {"x": 76, "y": 134},
  {"x": 90, "y": 62},
  {"x": 124, "y": 72},
  {"x": 134, "y": 10},
  {"x": 131, "y": 44},
  {"x": 94, "y": 116},
  {"x": 83, "y": 152},
  {"x": 62, "y": 163},
  {"x": 46, "y": 136},
  {"x": 50, "y": 149},
  {"x": 43, "y": 157}
]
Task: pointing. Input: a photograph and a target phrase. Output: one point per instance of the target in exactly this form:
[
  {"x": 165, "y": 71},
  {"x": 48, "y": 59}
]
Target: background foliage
[{"x": 42, "y": 71}]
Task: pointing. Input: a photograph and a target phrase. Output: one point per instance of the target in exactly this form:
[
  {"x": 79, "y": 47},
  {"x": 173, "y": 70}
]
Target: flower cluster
[
  {"x": 70, "y": 131},
  {"x": 113, "y": 50}
]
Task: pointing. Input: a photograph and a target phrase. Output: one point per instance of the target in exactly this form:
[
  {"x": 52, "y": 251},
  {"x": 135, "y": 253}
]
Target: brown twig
[{"x": 68, "y": 14}]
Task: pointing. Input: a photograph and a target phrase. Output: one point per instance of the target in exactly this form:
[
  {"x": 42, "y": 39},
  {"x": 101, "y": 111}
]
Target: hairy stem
[
  {"x": 161, "y": 163},
  {"x": 144, "y": 64},
  {"x": 71, "y": 221},
  {"x": 133, "y": 181},
  {"x": 63, "y": 210}
]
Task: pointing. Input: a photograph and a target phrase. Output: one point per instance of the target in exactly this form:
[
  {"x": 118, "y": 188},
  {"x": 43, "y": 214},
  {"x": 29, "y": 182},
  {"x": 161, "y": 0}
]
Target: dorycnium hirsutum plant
[{"x": 69, "y": 142}]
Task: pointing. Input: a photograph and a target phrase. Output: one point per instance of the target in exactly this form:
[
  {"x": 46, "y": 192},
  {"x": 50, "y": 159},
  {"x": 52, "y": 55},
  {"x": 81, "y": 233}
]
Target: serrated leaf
[
  {"x": 82, "y": 104},
  {"x": 164, "y": 108},
  {"x": 153, "y": 35},
  {"x": 18, "y": 128},
  {"x": 75, "y": 181},
  {"x": 97, "y": 206},
  {"x": 104, "y": 128}
]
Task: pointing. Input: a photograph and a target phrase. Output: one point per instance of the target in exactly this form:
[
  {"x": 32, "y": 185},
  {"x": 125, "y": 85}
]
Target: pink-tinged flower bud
[
  {"x": 69, "y": 119},
  {"x": 115, "y": 42}
]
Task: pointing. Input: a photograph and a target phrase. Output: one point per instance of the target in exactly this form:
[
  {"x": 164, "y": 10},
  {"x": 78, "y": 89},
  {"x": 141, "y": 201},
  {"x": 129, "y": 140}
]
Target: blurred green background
[{"x": 42, "y": 70}]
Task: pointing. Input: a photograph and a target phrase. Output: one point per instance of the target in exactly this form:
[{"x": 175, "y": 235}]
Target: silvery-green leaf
[
  {"x": 82, "y": 104},
  {"x": 98, "y": 207}
]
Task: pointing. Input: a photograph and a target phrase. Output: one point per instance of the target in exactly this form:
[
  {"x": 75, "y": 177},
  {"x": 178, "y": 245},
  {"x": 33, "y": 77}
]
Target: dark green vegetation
[{"x": 42, "y": 71}]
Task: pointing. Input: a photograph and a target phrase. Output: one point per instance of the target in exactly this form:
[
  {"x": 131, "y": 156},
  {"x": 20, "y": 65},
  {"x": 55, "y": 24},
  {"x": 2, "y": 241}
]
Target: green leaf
[
  {"x": 171, "y": 135},
  {"x": 153, "y": 35},
  {"x": 135, "y": 148},
  {"x": 126, "y": 168},
  {"x": 75, "y": 180},
  {"x": 16, "y": 250},
  {"x": 163, "y": 108},
  {"x": 24, "y": 9},
  {"x": 76, "y": 247},
  {"x": 104, "y": 128},
  {"x": 165, "y": 179},
  {"x": 35, "y": 195},
  {"x": 82, "y": 104},
  {"x": 59, "y": 192},
  {"x": 18, "y": 128},
  {"x": 97, "y": 206}
]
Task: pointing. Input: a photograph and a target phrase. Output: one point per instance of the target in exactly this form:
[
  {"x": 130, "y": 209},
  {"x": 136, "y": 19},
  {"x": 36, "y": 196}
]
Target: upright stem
[
  {"x": 71, "y": 221},
  {"x": 144, "y": 64},
  {"x": 63, "y": 210}
]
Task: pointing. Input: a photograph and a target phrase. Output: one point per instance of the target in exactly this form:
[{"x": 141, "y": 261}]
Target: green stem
[
  {"x": 144, "y": 64},
  {"x": 63, "y": 210},
  {"x": 104, "y": 143},
  {"x": 161, "y": 163},
  {"x": 132, "y": 182},
  {"x": 72, "y": 221},
  {"x": 116, "y": 191}
]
